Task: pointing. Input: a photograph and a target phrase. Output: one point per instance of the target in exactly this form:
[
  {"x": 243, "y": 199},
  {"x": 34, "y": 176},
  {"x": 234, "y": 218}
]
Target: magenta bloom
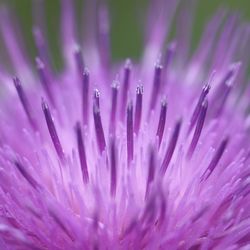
[{"x": 138, "y": 155}]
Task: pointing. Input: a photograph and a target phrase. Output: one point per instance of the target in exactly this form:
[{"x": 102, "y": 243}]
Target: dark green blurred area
[{"x": 126, "y": 22}]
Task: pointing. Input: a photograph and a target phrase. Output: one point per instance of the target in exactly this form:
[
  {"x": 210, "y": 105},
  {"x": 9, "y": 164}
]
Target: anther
[
  {"x": 78, "y": 59},
  {"x": 138, "y": 108},
  {"x": 221, "y": 98},
  {"x": 103, "y": 28},
  {"x": 151, "y": 170},
  {"x": 25, "y": 174},
  {"x": 125, "y": 87},
  {"x": 113, "y": 169},
  {"x": 224, "y": 89},
  {"x": 25, "y": 103},
  {"x": 198, "y": 129},
  {"x": 52, "y": 131},
  {"x": 156, "y": 85},
  {"x": 162, "y": 121},
  {"x": 41, "y": 45},
  {"x": 204, "y": 93},
  {"x": 112, "y": 120},
  {"x": 85, "y": 96},
  {"x": 99, "y": 128},
  {"x": 82, "y": 153},
  {"x": 169, "y": 54},
  {"x": 215, "y": 159},
  {"x": 97, "y": 98},
  {"x": 44, "y": 78},
  {"x": 171, "y": 147},
  {"x": 130, "y": 132}
]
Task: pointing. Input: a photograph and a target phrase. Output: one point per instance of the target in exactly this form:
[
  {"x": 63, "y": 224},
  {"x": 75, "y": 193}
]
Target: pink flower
[{"x": 144, "y": 155}]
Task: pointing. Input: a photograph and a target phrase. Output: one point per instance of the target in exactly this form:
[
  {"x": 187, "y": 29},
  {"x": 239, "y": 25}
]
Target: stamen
[
  {"x": 52, "y": 131},
  {"x": 169, "y": 54},
  {"x": 113, "y": 107},
  {"x": 103, "y": 34},
  {"x": 215, "y": 159},
  {"x": 79, "y": 60},
  {"x": 156, "y": 85},
  {"x": 98, "y": 127},
  {"x": 67, "y": 30},
  {"x": 130, "y": 140},
  {"x": 82, "y": 154},
  {"x": 198, "y": 129},
  {"x": 113, "y": 168},
  {"x": 85, "y": 96},
  {"x": 97, "y": 98},
  {"x": 162, "y": 121},
  {"x": 41, "y": 45},
  {"x": 163, "y": 208},
  {"x": 204, "y": 93},
  {"x": 227, "y": 82},
  {"x": 221, "y": 103},
  {"x": 61, "y": 224},
  {"x": 26, "y": 175},
  {"x": 171, "y": 147},
  {"x": 125, "y": 87},
  {"x": 25, "y": 103},
  {"x": 13, "y": 42},
  {"x": 38, "y": 14},
  {"x": 151, "y": 170},
  {"x": 138, "y": 108},
  {"x": 44, "y": 78},
  {"x": 149, "y": 213}
]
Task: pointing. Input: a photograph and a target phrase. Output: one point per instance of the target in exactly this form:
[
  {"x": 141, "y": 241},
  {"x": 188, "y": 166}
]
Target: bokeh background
[{"x": 126, "y": 28}]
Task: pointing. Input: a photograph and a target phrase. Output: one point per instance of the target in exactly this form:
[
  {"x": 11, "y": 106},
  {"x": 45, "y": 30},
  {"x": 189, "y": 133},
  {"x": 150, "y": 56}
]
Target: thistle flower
[{"x": 147, "y": 155}]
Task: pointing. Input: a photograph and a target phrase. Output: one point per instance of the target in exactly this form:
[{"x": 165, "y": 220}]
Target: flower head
[{"x": 147, "y": 155}]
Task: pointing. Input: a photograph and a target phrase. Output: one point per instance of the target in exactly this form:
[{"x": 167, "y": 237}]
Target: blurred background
[{"x": 126, "y": 28}]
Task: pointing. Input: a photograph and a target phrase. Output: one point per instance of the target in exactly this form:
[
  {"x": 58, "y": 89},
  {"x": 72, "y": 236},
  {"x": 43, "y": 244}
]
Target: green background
[{"x": 126, "y": 29}]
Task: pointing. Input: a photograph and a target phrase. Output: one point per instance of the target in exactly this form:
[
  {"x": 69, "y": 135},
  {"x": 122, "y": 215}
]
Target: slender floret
[{"x": 153, "y": 154}]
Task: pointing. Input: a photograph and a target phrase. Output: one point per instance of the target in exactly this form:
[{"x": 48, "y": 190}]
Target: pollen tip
[
  {"x": 130, "y": 105},
  {"x": 77, "y": 125},
  {"x": 96, "y": 99},
  {"x": 172, "y": 45},
  {"x": 77, "y": 48},
  {"x": 96, "y": 93},
  {"x": 158, "y": 65},
  {"x": 139, "y": 89},
  {"x": 115, "y": 84},
  {"x": 86, "y": 71},
  {"x": 164, "y": 102},
  {"x": 128, "y": 64},
  {"x": 39, "y": 63},
  {"x": 235, "y": 66},
  {"x": 206, "y": 88},
  {"x": 44, "y": 104},
  {"x": 38, "y": 36},
  {"x": 35, "y": 29},
  {"x": 16, "y": 81}
]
